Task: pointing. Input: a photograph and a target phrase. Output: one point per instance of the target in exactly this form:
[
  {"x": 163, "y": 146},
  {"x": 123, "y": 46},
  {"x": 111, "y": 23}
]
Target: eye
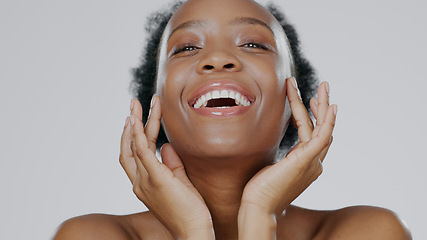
[
  {"x": 255, "y": 45},
  {"x": 186, "y": 48}
]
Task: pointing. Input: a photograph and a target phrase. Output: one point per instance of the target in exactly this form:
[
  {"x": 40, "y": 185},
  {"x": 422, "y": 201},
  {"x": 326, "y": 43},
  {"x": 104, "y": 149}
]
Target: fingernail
[
  {"x": 132, "y": 120},
  {"x": 153, "y": 102},
  {"x": 294, "y": 82},
  {"x": 327, "y": 87},
  {"x": 127, "y": 121},
  {"x": 131, "y": 105},
  {"x": 335, "y": 109}
]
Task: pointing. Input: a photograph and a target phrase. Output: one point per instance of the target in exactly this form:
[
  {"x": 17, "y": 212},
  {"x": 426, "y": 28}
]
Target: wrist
[
  {"x": 198, "y": 234},
  {"x": 250, "y": 206},
  {"x": 203, "y": 232},
  {"x": 255, "y": 222}
]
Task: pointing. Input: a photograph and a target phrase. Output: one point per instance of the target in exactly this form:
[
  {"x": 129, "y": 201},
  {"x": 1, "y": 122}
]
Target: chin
[{"x": 219, "y": 147}]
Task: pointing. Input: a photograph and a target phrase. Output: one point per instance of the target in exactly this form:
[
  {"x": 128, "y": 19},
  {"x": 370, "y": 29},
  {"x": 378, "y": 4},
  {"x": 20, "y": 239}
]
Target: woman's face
[{"x": 221, "y": 81}]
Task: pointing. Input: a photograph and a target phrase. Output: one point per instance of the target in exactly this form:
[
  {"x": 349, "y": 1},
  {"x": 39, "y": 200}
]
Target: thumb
[{"x": 171, "y": 159}]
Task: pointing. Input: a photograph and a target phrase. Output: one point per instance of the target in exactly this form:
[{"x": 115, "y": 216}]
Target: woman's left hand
[{"x": 273, "y": 188}]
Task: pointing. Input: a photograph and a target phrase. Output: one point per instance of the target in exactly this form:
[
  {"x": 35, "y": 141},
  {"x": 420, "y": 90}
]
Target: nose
[{"x": 219, "y": 61}]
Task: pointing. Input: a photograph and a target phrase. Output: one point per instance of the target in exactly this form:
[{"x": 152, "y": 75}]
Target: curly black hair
[{"x": 144, "y": 76}]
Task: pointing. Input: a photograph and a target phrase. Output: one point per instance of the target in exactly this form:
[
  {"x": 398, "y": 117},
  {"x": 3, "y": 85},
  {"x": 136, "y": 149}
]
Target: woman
[{"x": 224, "y": 95}]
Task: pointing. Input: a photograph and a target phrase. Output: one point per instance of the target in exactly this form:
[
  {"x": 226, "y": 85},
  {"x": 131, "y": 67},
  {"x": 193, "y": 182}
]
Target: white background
[{"x": 64, "y": 77}]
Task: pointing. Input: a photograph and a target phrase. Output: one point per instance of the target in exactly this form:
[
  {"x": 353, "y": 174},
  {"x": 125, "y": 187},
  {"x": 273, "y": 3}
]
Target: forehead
[{"x": 220, "y": 11}]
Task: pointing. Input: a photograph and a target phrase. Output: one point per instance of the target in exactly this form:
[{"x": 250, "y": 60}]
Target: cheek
[
  {"x": 170, "y": 91},
  {"x": 175, "y": 74},
  {"x": 273, "y": 118},
  {"x": 175, "y": 77},
  {"x": 273, "y": 115},
  {"x": 265, "y": 71}
]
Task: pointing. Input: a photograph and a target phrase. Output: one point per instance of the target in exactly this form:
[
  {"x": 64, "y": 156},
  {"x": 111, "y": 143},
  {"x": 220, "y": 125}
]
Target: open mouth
[{"x": 221, "y": 99}]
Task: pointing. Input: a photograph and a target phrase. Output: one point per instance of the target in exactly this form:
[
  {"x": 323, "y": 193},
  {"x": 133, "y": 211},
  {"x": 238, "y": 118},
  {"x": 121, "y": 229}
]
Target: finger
[
  {"x": 299, "y": 112},
  {"x": 314, "y": 104},
  {"x": 141, "y": 150},
  {"x": 323, "y": 102},
  {"x": 325, "y": 151},
  {"x": 136, "y": 108},
  {"x": 294, "y": 148},
  {"x": 141, "y": 172},
  {"x": 323, "y": 136},
  {"x": 313, "y": 151},
  {"x": 171, "y": 159},
  {"x": 137, "y": 186},
  {"x": 126, "y": 156},
  {"x": 153, "y": 123}
]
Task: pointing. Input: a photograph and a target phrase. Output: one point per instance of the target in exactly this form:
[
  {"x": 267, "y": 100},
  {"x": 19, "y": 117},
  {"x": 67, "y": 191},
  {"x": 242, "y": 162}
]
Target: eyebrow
[
  {"x": 188, "y": 24},
  {"x": 250, "y": 21},
  {"x": 236, "y": 21}
]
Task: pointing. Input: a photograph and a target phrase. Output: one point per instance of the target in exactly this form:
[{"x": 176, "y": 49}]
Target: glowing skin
[
  {"x": 217, "y": 178},
  {"x": 221, "y": 51}
]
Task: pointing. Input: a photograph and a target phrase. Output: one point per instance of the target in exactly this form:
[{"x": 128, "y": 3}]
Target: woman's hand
[
  {"x": 163, "y": 187},
  {"x": 273, "y": 188}
]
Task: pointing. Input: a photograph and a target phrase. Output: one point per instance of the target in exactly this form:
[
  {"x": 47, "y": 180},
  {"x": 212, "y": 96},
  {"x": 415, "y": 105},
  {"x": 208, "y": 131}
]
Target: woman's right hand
[{"x": 163, "y": 187}]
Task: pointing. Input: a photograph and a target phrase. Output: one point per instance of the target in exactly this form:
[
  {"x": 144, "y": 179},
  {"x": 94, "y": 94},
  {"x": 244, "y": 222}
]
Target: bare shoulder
[
  {"x": 358, "y": 222},
  {"x": 300, "y": 223},
  {"x": 93, "y": 226},
  {"x": 364, "y": 222},
  {"x": 110, "y": 227}
]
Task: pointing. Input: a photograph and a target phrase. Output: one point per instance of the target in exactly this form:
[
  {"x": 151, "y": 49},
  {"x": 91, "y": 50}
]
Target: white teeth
[
  {"x": 203, "y": 100},
  {"x": 198, "y": 104},
  {"x": 224, "y": 94},
  {"x": 239, "y": 99},
  {"x": 216, "y": 95}
]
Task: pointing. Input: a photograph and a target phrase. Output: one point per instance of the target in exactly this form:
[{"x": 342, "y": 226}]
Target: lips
[{"x": 221, "y": 98}]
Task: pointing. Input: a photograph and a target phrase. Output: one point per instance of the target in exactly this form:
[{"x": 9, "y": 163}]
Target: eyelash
[
  {"x": 190, "y": 48},
  {"x": 255, "y": 45}
]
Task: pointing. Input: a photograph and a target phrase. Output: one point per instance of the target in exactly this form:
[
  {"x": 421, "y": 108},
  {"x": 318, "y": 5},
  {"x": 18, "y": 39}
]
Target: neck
[{"x": 221, "y": 183}]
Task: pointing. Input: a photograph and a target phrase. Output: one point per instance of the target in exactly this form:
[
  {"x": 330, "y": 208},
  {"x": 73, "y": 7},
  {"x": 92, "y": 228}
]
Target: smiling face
[{"x": 221, "y": 81}]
